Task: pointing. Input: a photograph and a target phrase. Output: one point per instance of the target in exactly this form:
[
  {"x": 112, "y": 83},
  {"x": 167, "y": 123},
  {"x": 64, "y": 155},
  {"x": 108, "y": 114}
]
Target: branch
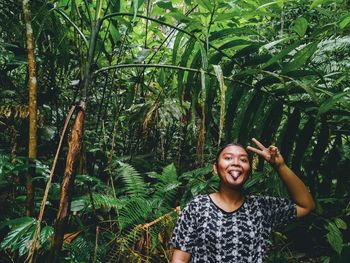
[
  {"x": 165, "y": 24},
  {"x": 147, "y": 225},
  {"x": 73, "y": 24},
  {"x": 151, "y": 66}
]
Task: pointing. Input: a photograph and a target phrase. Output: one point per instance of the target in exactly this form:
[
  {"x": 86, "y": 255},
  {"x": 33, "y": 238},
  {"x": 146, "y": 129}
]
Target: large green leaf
[
  {"x": 331, "y": 102},
  {"x": 237, "y": 44},
  {"x": 236, "y": 31},
  {"x": 234, "y": 93},
  {"x": 220, "y": 77},
  {"x": 316, "y": 3},
  {"x": 302, "y": 143},
  {"x": 176, "y": 48},
  {"x": 287, "y": 138},
  {"x": 184, "y": 60},
  {"x": 243, "y": 106},
  {"x": 274, "y": 43},
  {"x": 206, "y": 4},
  {"x": 259, "y": 117},
  {"x": 340, "y": 223},
  {"x": 270, "y": 127},
  {"x": 234, "y": 13},
  {"x": 22, "y": 229},
  {"x": 249, "y": 113},
  {"x": 334, "y": 237},
  {"x": 344, "y": 21},
  {"x": 301, "y": 57},
  {"x": 300, "y": 26},
  {"x": 284, "y": 52}
]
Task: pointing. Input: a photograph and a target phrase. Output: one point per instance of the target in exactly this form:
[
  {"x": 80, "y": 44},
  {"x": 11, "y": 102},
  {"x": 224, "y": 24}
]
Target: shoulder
[
  {"x": 256, "y": 199},
  {"x": 197, "y": 202},
  {"x": 263, "y": 198},
  {"x": 268, "y": 201}
]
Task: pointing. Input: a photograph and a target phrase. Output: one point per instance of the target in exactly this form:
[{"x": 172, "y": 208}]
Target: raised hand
[
  {"x": 296, "y": 188},
  {"x": 270, "y": 154}
]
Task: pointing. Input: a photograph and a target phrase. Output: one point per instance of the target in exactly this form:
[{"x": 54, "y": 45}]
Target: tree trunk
[
  {"x": 74, "y": 148},
  {"x": 32, "y": 86}
]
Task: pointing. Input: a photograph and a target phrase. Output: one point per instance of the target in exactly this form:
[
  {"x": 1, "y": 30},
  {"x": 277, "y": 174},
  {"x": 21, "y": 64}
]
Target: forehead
[{"x": 234, "y": 150}]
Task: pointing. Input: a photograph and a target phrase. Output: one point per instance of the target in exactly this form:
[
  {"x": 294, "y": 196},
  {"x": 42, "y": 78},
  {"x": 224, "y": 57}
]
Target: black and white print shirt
[{"x": 211, "y": 234}]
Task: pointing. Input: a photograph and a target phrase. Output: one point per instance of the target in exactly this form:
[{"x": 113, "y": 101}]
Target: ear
[{"x": 215, "y": 170}]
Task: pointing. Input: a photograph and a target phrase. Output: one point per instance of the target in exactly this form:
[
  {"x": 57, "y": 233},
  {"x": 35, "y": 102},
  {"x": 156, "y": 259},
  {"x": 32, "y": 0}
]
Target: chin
[{"x": 237, "y": 184}]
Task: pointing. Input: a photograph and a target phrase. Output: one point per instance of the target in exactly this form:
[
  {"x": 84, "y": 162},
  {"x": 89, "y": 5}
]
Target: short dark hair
[{"x": 224, "y": 147}]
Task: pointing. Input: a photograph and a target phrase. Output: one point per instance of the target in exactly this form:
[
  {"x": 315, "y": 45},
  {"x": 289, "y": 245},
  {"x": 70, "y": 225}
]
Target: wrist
[{"x": 280, "y": 166}]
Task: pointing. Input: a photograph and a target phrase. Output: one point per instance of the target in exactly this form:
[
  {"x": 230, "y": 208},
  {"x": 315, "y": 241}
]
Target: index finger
[
  {"x": 257, "y": 151},
  {"x": 259, "y": 144}
]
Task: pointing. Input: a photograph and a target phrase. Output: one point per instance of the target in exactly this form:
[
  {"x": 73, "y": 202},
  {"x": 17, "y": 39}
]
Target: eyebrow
[{"x": 243, "y": 154}]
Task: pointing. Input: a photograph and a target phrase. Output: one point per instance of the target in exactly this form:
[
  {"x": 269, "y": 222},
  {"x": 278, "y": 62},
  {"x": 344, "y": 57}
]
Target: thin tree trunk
[
  {"x": 32, "y": 86},
  {"x": 74, "y": 144},
  {"x": 74, "y": 148},
  {"x": 35, "y": 244},
  {"x": 201, "y": 140}
]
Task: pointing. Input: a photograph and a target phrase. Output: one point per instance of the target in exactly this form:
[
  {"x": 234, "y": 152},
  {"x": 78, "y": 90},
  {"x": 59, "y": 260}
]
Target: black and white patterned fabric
[{"x": 211, "y": 234}]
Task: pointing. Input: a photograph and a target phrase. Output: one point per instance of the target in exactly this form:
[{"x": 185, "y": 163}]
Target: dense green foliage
[{"x": 168, "y": 81}]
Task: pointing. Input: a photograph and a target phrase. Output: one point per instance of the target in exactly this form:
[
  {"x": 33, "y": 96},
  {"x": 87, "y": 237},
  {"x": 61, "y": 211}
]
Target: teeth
[{"x": 235, "y": 174}]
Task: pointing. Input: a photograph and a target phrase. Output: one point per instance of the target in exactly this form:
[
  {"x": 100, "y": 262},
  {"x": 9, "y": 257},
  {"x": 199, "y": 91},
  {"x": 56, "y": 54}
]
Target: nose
[{"x": 235, "y": 162}]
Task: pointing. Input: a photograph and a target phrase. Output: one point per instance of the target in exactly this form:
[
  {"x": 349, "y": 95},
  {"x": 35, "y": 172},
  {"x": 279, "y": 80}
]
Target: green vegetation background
[{"x": 165, "y": 83}]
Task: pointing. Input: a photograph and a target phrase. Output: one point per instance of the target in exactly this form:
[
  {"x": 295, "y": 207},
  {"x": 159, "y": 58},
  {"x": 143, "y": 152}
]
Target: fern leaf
[
  {"x": 134, "y": 185},
  {"x": 136, "y": 211},
  {"x": 165, "y": 188},
  {"x": 103, "y": 201}
]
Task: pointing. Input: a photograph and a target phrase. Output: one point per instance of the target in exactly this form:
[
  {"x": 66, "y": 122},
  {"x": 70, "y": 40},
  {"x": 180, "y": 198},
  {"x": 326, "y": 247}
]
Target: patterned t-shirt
[{"x": 211, "y": 234}]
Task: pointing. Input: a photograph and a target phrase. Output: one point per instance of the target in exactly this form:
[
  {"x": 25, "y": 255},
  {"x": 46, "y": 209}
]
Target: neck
[{"x": 230, "y": 195}]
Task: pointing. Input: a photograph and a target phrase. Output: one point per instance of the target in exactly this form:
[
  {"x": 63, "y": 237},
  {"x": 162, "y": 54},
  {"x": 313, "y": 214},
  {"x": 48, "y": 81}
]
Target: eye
[
  {"x": 244, "y": 160},
  {"x": 228, "y": 158}
]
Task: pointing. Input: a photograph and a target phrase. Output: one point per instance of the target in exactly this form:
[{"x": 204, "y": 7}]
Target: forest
[{"x": 111, "y": 114}]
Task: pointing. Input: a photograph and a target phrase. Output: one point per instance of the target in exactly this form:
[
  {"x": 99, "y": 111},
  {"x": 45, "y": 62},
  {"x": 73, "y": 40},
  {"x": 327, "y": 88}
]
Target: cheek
[
  {"x": 221, "y": 167},
  {"x": 222, "y": 164},
  {"x": 246, "y": 166}
]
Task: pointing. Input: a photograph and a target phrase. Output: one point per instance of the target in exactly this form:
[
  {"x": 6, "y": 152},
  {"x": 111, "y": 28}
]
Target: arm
[
  {"x": 180, "y": 256},
  {"x": 184, "y": 236},
  {"x": 296, "y": 188}
]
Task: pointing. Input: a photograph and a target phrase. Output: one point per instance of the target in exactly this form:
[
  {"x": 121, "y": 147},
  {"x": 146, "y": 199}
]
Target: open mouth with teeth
[{"x": 235, "y": 174}]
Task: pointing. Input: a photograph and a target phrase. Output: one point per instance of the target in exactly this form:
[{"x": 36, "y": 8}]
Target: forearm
[
  {"x": 297, "y": 190},
  {"x": 180, "y": 256}
]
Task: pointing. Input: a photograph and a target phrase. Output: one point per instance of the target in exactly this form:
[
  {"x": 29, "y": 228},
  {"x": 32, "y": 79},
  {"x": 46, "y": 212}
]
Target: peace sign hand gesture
[{"x": 270, "y": 154}]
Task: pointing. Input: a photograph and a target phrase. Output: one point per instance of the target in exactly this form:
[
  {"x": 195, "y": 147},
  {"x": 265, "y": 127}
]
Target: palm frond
[
  {"x": 328, "y": 52},
  {"x": 21, "y": 233}
]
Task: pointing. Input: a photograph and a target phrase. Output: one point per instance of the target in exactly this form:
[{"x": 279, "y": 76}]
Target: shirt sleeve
[
  {"x": 185, "y": 234},
  {"x": 279, "y": 211}
]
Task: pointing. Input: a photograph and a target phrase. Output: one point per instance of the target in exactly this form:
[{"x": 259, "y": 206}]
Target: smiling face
[{"x": 233, "y": 166}]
